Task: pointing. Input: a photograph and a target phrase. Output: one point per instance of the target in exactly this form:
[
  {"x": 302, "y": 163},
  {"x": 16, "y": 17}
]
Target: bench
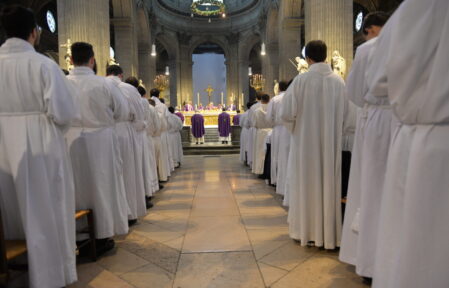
[{"x": 11, "y": 249}]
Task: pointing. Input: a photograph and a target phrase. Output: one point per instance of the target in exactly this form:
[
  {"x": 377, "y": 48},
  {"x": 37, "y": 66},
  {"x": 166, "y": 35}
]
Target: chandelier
[
  {"x": 207, "y": 8},
  {"x": 257, "y": 81}
]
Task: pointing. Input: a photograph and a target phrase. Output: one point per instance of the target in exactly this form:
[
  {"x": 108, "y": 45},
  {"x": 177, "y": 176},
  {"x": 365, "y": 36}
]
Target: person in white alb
[
  {"x": 174, "y": 136},
  {"x": 280, "y": 143},
  {"x": 162, "y": 156},
  {"x": 94, "y": 148},
  {"x": 409, "y": 63},
  {"x": 362, "y": 207},
  {"x": 315, "y": 105},
  {"x": 263, "y": 128},
  {"x": 36, "y": 182}
]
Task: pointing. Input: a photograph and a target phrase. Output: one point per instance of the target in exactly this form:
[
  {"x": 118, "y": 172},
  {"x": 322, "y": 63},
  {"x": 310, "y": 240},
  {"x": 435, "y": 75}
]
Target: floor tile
[
  {"x": 214, "y": 206},
  {"x": 207, "y": 234},
  {"x": 321, "y": 271},
  {"x": 288, "y": 256},
  {"x": 149, "y": 275},
  {"x": 120, "y": 261},
  {"x": 218, "y": 270},
  {"x": 271, "y": 274}
]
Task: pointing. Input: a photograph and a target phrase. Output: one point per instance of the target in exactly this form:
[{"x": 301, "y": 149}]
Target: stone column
[
  {"x": 147, "y": 66},
  {"x": 289, "y": 46},
  {"x": 125, "y": 34},
  {"x": 174, "y": 76},
  {"x": 270, "y": 67},
  {"x": 87, "y": 21},
  {"x": 331, "y": 21},
  {"x": 232, "y": 75},
  {"x": 185, "y": 88},
  {"x": 243, "y": 81}
]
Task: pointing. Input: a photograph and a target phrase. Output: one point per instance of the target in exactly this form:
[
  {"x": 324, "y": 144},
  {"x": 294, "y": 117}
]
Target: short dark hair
[
  {"x": 238, "y": 111},
  {"x": 132, "y": 81},
  {"x": 377, "y": 18},
  {"x": 155, "y": 92},
  {"x": 259, "y": 95},
  {"x": 283, "y": 85},
  {"x": 18, "y": 21},
  {"x": 142, "y": 90},
  {"x": 162, "y": 100},
  {"x": 249, "y": 104},
  {"x": 114, "y": 70},
  {"x": 265, "y": 97},
  {"x": 171, "y": 109},
  {"x": 316, "y": 50},
  {"x": 151, "y": 101},
  {"x": 223, "y": 109},
  {"x": 81, "y": 53}
]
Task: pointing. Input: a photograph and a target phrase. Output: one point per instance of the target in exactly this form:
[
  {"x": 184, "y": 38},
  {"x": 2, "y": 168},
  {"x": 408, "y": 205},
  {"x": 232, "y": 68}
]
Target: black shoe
[
  {"x": 104, "y": 245},
  {"x": 161, "y": 187},
  {"x": 367, "y": 280},
  {"x": 196, "y": 143},
  {"x": 149, "y": 204},
  {"x": 132, "y": 222}
]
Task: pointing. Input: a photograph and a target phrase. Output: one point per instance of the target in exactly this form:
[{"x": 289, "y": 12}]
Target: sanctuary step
[
  {"x": 211, "y": 135},
  {"x": 211, "y": 148}
]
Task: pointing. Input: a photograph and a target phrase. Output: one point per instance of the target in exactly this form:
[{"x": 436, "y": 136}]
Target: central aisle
[{"x": 215, "y": 225}]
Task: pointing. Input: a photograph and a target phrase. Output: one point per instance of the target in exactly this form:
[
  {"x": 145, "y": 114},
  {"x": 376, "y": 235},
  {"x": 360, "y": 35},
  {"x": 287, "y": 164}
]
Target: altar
[{"x": 210, "y": 117}]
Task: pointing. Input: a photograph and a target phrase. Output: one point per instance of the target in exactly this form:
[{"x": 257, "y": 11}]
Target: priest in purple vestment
[
  {"x": 198, "y": 130},
  {"x": 180, "y": 115},
  {"x": 224, "y": 127},
  {"x": 236, "y": 119}
]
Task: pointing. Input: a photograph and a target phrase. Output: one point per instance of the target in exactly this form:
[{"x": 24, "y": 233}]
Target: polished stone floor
[{"x": 215, "y": 225}]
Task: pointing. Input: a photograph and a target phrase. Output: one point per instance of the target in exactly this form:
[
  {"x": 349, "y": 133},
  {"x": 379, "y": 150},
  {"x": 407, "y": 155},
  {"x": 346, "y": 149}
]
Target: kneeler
[{"x": 11, "y": 249}]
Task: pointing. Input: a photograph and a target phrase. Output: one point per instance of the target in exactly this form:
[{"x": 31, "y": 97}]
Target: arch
[
  {"x": 197, "y": 41},
  {"x": 165, "y": 39}
]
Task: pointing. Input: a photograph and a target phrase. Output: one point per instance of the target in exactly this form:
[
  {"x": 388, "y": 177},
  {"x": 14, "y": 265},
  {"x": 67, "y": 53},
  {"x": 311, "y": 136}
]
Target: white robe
[
  {"x": 243, "y": 136},
  {"x": 152, "y": 124},
  {"x": 36, "y": 184},
  {"x": 315, "y": 103},
  {"x": 412, "y": 65},
  {"x": 356, "y": 89},
  {"x": 251, "y": 134},
  {"x": 263, "y": 128},
  {"x": 95, "y": 152},
  {"x": 174, "y": 137},
  {"x": 280, "y": 146},
  {"x": 130, "y": 149},
  {"x": 162, "y": 151}
]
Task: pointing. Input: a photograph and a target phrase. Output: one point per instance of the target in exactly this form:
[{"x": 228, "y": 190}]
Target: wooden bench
[
  {"x": 11, "y": 249},
  {"x": 91, "y": 230}
]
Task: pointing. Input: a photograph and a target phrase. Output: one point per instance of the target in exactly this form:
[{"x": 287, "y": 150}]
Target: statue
[
  {"x": 338, "y": 64},
  {"x": 300, "y": 65},
  {"x": 276, "y": 87},
  {"x": 68, "y": 55},
  {"x": 112, "y": 61}
]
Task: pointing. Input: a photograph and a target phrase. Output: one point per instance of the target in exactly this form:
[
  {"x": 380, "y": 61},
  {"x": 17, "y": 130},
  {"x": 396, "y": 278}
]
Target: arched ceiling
[{"x": 232, "y": 6}]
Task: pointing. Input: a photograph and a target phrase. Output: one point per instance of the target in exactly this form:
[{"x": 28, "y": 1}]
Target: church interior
[{"x": 193, "y": 155}]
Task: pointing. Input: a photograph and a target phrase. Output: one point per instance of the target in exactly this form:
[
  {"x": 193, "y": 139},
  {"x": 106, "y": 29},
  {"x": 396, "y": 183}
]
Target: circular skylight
[
  {"x": 51, "y": 21},
  {"x": 358, "y": 21}
]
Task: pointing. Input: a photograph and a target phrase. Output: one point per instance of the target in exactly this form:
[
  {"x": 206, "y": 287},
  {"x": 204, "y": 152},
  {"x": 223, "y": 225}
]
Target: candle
[
  {"x": 198, "y": 99},
  {"x": 221, "y": 98}
]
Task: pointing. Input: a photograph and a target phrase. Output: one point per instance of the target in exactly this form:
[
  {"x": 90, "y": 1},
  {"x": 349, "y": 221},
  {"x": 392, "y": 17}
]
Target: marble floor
[{"x": 215, "y": 225}]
